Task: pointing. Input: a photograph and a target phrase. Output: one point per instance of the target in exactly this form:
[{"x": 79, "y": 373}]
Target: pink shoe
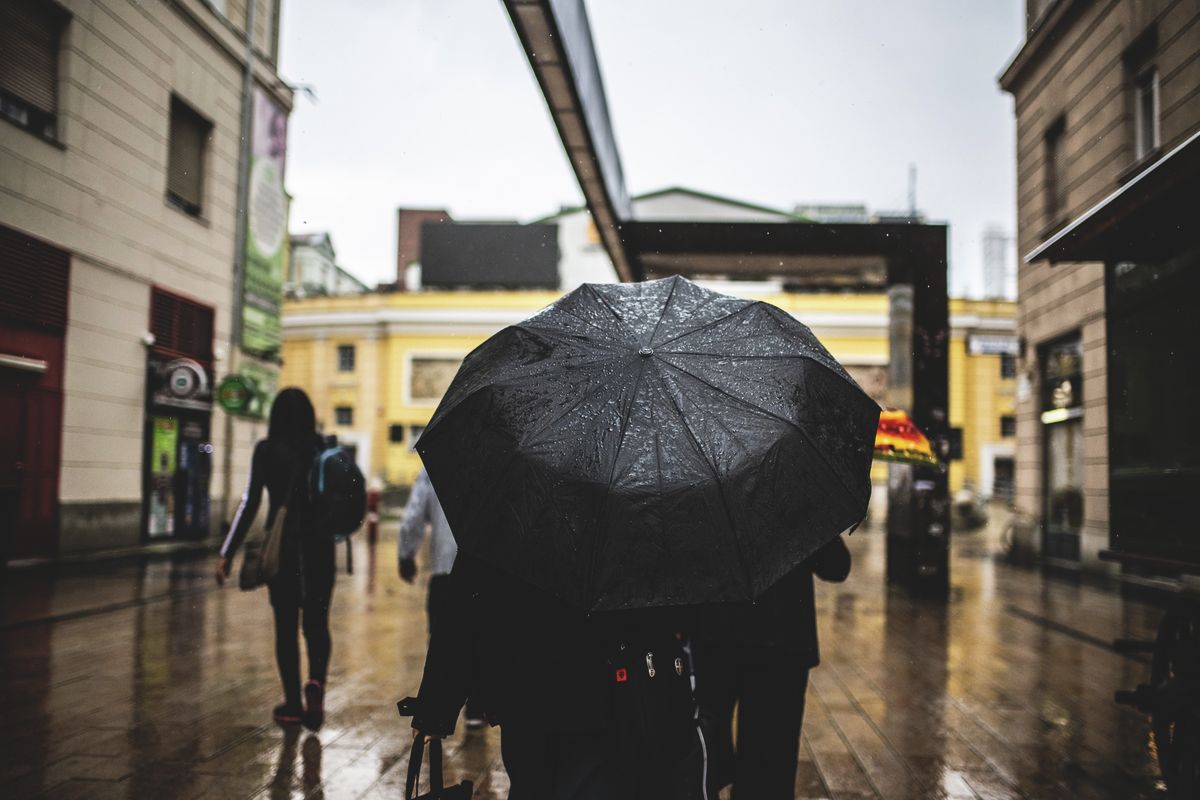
[{"x": 286, "y": 714}]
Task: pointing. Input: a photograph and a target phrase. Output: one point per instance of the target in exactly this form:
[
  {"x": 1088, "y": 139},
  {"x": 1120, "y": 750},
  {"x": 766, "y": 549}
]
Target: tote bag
[{"x": 260, "y": 563}]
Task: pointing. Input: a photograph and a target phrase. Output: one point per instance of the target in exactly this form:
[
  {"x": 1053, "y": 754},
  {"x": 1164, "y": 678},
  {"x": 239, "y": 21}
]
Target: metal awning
[
  {"x": 558, "y": 42},
  {"x": 850, "y": 255},
  {"x": 1148, "y": 218}
]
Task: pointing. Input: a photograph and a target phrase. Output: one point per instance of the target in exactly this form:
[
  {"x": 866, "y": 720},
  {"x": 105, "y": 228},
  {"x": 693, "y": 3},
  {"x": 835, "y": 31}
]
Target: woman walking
[{"x": 304, "y": 586}]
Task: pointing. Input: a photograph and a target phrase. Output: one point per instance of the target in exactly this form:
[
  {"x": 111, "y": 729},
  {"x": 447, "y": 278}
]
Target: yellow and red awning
[{"x": 898, "y": 439}]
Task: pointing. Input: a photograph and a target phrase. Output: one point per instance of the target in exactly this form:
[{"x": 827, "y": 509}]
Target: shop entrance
[{"x": 177, "y": 444}]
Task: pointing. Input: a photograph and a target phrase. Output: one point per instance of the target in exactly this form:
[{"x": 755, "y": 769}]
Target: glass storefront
[
  {"x": 1062, "y": 436},
  {"x": 1154, "y": 436}
]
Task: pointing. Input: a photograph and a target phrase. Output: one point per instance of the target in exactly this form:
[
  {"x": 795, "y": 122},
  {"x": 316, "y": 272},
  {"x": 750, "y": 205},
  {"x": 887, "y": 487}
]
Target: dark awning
[
  {"x": 1151, "y": 217},
  {"x": 557, "y": 40}
]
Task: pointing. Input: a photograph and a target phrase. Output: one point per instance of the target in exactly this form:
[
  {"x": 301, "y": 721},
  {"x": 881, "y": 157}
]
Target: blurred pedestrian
[
  {"x": 759, "y": 661},
  {"x": 424, "y": 511},
  {"x": 303, "y": 587}
]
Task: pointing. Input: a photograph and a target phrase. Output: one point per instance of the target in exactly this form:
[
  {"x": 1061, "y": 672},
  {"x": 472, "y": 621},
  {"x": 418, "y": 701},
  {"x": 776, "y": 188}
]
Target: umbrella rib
[
  {"x": 602, "y": 531},
  {"x": 530, "y": 437},
  {"x": 695, "y": 442},
  {"x": 663, "y": 312},
  {"x": 714, "y": 296},
  {"x": 543, "y": 330},
  {"x": 632, "y": 334},
  {"x": 770, "y": 413},
  {"x": 707, "y": 325}
]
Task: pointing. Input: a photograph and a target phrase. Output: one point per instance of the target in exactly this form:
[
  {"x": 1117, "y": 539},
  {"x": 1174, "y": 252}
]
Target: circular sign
[
  {"x": 235, "y": 393},
  {"x": 185, "y": 379},
  {"x": 182, "y": 382}
]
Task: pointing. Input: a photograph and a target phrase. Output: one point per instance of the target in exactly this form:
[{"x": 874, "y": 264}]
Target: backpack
[{"x": 339, "y": 492}]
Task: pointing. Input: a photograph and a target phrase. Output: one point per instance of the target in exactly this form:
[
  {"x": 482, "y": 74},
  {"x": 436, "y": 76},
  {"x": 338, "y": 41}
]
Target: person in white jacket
[{"x": 421, "y": 512}]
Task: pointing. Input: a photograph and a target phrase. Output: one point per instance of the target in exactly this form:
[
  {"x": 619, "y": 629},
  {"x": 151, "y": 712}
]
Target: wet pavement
[{"x": 142, "y": 680}]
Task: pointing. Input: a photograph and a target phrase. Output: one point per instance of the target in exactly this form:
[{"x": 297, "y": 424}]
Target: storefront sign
[
  {"x": 982, "y": 344},
  {"x": 179, "y": 383},
  {"x": 235, "y": 394},
  {"x": 266, "y": 210}
]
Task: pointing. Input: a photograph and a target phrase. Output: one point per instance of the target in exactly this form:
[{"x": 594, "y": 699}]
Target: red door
[
  {"x": 30, "y": 442},
  {"x": 12, "y": 452},
  {"x": 33, "y": 322}
]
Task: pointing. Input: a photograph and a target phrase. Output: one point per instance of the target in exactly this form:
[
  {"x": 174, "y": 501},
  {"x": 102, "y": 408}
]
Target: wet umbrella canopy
[{"x": 651, "y": 444}]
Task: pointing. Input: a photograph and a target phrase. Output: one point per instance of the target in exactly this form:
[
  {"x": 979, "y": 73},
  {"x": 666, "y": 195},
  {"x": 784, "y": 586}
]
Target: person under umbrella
[
  {"x": 629, "y": 452},
  {"x": 759, "y": 662}
]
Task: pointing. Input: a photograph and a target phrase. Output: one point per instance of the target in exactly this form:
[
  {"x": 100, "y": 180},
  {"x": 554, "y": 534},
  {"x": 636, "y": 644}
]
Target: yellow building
[{"x": 377, "y": 364}]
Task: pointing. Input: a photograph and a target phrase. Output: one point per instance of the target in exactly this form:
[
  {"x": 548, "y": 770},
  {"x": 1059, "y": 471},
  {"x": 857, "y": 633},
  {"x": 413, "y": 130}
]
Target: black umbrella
[{"x": 651, "y": 444}]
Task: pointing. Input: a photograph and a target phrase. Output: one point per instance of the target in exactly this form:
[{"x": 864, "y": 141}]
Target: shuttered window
[
  {"x": 34, "y": 278},
  {"x": 30, "y": 31},
  {"x": 188, "y": 143},
  {"x": 181, "y": 327},
  {"x": 1056, "y": 172}
]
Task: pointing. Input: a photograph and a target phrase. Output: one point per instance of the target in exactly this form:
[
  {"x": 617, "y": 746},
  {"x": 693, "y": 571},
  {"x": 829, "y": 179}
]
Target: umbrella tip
[{"x": 646, "y": 351}]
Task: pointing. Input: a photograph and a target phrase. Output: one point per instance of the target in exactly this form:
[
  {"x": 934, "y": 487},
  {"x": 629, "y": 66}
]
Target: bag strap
[
  {"x": 414, "y": 767},
  {"x": 415, "y": 757}
]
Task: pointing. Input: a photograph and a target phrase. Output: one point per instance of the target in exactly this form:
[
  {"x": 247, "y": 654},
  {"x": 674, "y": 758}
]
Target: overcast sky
[{"x": 431, "y": 103}]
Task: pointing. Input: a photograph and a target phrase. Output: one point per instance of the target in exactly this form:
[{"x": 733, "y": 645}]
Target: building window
[
  {"x": 187, "y": 145},
  {"x": 1145, "y": 113},
  {"x": 35, "y": 277},
  {"x": 30, "y": 35},
  {"x": 1008, "y": 365},
  {"x": 1056, "y": 177},
  {"x": 343, "y": 415},
  {"x": 396, "y": 434},
  {"x": 345, "y": 358},
  {"x": 430, "y": 377},
  {"x": 181, "y": 327},
  {"x": 1008, "y": 426}
]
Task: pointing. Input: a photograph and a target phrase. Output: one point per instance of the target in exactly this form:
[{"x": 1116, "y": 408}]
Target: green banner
[{"x": 266, "y": 230}]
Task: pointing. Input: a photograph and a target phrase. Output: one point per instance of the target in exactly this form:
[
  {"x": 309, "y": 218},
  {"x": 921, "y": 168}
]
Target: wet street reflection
[{"x": 145, "y": 680}]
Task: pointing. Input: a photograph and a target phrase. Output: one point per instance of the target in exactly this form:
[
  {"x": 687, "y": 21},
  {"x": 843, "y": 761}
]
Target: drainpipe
[{"x": 241, "y": 224}]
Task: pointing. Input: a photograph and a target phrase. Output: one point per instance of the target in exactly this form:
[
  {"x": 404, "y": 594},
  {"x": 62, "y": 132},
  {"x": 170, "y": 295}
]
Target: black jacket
[
  {"x": 531, "y": 661},
  {"x": 784, "y": 618},
  {"x": 538, "y": 664}
]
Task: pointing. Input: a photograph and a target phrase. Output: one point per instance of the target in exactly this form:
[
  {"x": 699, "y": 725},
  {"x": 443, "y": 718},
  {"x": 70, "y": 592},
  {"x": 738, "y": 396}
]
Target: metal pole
[{"x": 241, "y": 225}]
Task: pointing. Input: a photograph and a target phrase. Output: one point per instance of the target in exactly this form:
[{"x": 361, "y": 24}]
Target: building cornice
[
  {"x": 1038, "y": 40},
  {"x": 227, "y": 36}
]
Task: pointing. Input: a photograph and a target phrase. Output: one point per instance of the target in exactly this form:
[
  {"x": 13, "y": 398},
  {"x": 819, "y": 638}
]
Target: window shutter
[
  {"x": 181, "y": 327},
  {"x": 185, "y": 160},
  {"x": 29, "y": 34},
  {"x": 35, "y": 280}
]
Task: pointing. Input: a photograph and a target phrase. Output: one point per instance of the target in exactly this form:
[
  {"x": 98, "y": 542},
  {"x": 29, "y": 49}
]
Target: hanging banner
[{"x": 266, "y": 209}]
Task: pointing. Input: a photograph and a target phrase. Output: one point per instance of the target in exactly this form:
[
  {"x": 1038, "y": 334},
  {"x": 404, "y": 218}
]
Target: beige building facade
[
  {"x": 120, "y": 152},
  {"x": 1104, "y": 93}
]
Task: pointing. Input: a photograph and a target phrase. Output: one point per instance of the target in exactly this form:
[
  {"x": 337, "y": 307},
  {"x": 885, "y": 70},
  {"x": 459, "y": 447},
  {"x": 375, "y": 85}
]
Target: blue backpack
[{"x": 339, "y": 492}]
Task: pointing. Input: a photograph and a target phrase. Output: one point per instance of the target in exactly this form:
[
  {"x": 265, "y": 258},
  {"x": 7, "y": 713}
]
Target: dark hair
[{"x": 292, "y": 417}]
